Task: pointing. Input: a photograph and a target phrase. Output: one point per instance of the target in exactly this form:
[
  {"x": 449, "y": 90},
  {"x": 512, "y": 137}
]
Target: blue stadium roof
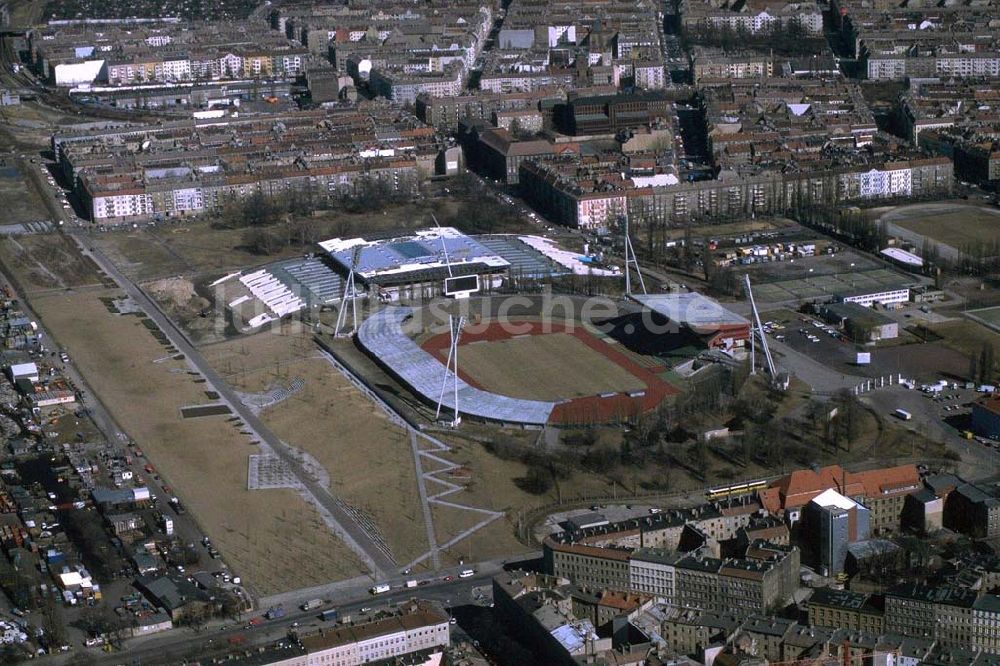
[{"x": 426, "y": 252}]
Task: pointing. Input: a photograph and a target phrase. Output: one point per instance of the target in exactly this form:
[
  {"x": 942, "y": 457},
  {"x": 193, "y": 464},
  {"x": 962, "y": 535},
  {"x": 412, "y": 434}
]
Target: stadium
[
  {"x": 524, "y": 360},
  {"x": 529, "y": 365},
  {"x": 543, "y": 360}
]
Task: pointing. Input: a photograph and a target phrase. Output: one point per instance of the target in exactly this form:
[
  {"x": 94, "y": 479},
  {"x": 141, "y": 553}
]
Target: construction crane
[{"x": 757, "y": 331}]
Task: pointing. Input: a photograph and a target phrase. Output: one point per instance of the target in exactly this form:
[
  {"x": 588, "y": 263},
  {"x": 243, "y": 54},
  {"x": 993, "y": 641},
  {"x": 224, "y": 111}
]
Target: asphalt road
[
  {"x": 171, "y": 647},
  {"x": 347, "y": 529},
  {"x": 978, "y": 460}
]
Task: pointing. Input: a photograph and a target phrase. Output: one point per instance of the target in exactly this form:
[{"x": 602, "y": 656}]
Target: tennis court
[{"x": 823, "y": 286}]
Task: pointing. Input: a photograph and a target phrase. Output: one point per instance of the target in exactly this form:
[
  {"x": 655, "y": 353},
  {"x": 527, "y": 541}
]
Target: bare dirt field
[
  {"x": 543, "y": 367},
  {"x": 21, "y": 202},
  {"x": 48, "y": 261},
  {"x": 717, "y": 230},
  {"x": 368, "y": 459},
  {"x": 963, "y": 226},
  {"x": 198, "y": 247},
  {"x": 271, "y": 537},
  {"x": 965, "y": 336}
]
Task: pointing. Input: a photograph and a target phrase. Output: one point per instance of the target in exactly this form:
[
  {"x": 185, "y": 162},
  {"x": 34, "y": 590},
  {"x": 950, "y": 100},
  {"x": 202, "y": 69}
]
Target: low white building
[
  {"x": 413, "y": 626},
  {"x": 27, "y": 371},
  {"x": 883, "y": 298}
]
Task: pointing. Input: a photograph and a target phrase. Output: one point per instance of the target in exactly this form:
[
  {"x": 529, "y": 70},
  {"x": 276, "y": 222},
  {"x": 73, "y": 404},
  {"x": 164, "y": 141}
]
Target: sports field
[
  {"x": 819, "y": 286},
  {"x": 591, "y": 377},
  {"x": 987, "y": 316},
  {"x": 543, "y": 367},
  {"x": 959, "y": 226}
]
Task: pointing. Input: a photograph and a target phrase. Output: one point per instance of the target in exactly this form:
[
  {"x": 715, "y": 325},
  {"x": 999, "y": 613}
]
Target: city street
[{"x": 172, "y": 646}]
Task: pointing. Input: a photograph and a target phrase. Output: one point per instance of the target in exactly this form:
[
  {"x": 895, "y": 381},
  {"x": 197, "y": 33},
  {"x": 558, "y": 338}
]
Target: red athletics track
[{"x": 582, "y": 411}]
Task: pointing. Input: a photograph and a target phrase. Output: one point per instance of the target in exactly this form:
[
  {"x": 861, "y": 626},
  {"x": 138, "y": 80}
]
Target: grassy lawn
[
  {"x": 543, "y": 367},
  {"x": 197, "y": 247},
  {"x": 271, "y": 537},
  {"x": 21, "y": 201},
  {"x": 965, "y": 226},
  {"x": 964, "y": 335},
  {"x": 368, "y": 459},
  {"x": 48, "y": 261},
  {"x": 728, "y": 229}
]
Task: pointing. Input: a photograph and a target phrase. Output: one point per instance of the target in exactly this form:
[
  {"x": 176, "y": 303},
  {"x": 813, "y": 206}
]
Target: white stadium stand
[{"x": 382, "y": 336}]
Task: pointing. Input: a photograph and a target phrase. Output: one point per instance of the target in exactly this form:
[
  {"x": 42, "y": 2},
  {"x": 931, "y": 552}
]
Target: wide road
[
  {"x": 352, "y": 534},
  {"x": 173, "y": 646}
]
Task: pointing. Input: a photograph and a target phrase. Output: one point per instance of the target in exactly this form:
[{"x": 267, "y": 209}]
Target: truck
[
  {"x": 328, "y": 615},
  {"x": 275, "y": 613},
  {"x": 903, "y": 415},
  {"x": 312, "y": 604},
  {"x": 380, "y": 588},
  {"x": 168, "y": 526},
  {"x": 411, "y": 583}
]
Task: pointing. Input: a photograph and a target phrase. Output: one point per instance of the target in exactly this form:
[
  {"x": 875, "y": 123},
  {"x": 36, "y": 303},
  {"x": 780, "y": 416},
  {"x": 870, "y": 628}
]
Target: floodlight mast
[
  {"x": 444, "y": 246},
  {"x": 349, "y": 289},
  {"x": 630, "y": 260},
  {"x": 455, "y": 325},
  {"x": 756, "y": 328}
]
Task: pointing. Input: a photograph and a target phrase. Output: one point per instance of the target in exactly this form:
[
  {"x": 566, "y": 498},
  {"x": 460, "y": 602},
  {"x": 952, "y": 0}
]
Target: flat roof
[
  {"x": 419, "y": 252},
  {"x": 831, "y": 497},
  {"x": 692, "y": 309},
  {"x": 902, "y": 256}
]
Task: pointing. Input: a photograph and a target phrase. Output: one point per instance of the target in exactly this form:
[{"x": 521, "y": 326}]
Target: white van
[{"x": 467, "y": 573}]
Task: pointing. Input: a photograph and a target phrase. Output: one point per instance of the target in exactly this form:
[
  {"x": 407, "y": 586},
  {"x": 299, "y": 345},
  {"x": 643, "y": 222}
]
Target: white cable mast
[
  {"x": 349, "y": 290},
  {"x": 757, "y": 330},
  {"x": 455, "y": 324},
  {"x": 630, "y": 260}
]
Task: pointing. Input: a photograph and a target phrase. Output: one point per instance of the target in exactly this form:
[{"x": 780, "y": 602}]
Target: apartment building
[
  {"x": 715, "y": 63},
  {"x": 943, "y": 613},
  {"x": 181, "y": 168},
  {"x": 410, "y": 628},
  {"x": 588, "y": 566},
  {"x": 898, "y": 42},
  {"x": 161, "y": 52},
  {"x": 405, "y": 87},
  {"x": 843, "y": 609},
  {"x": 971, "y": 510},
  {"x": 564, "y": 190},
  {"x": 752, "y": 18},
  {"x": 986, "y": 623},
  {"x": 761, "y": 577},
  {"x": 882, "y": 491},
  {"x": 448, "y": 112},
  {"x": 654, "y": 571}
]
